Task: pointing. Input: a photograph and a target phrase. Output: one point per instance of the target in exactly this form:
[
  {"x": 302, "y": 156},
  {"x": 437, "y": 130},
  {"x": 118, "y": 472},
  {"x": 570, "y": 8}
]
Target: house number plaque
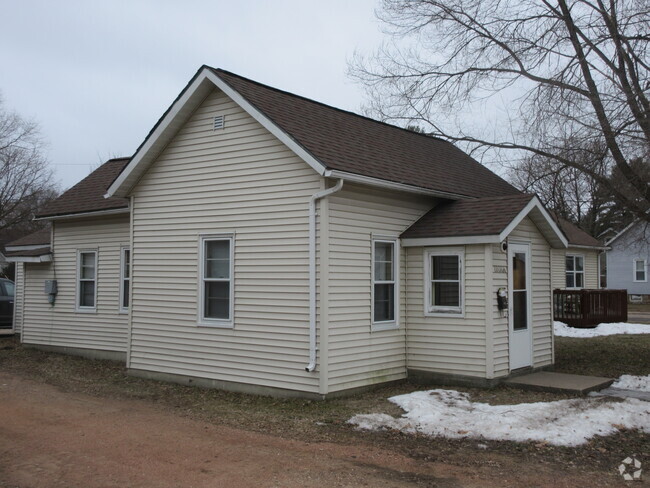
[{"x": 501, "y": 269}]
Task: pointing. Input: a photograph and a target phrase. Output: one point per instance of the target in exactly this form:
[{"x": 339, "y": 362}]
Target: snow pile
[
  {"x": 563, "y": 330},
  {"x": 451, "y": 414},
  {"x": 628, "y": 382}
]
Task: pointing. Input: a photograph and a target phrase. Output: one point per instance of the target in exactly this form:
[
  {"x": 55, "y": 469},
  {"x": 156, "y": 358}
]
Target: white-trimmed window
[
  {"x": 125, "y": 278},
  {"x": 385, "y": 266},
  {"x": 575, "y": 271},
  {"x": 640, "y": 270},
  {"x": 216, "y": 281},
  {"x": 444, "y": 282},
  {"x": 86, "y": 280}
]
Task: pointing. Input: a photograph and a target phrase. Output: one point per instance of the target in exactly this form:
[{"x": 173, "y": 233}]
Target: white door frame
[{"x": 520, "y": 341}]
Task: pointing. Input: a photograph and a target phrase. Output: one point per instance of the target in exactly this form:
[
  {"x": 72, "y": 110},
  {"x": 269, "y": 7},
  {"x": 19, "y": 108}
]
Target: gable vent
[{"x": 219, "y": 122}]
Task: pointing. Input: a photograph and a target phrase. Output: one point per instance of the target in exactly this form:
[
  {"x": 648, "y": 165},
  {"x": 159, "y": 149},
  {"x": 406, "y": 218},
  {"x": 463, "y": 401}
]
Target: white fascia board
[
  {"x": 46, "y": 258},
  {"x": 369, "y": 180},
  {"x": 449, "y": 241},
  {"x": 269, "y": 125},
  {"x": 82, "y": 215},
  {"x": 534, "y": 204},
  {"x": 595, "y": 248},
  {"x": 25, "y": 248},
  {"x": 121, "y": 187},
  {"x": 609, "y": 243}
]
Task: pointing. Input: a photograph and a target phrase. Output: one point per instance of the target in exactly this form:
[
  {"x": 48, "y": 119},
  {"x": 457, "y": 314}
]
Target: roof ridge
[{"x": 316, "y": 102}]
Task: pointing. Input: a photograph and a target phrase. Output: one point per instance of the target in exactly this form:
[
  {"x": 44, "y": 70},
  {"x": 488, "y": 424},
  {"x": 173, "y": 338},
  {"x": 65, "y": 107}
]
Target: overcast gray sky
[{"x": 97, "y": 75}]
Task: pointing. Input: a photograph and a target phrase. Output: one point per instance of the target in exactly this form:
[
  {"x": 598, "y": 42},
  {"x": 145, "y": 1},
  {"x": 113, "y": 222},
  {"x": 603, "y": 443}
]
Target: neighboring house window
[
  {"x": 444, "y": 282},
  {"x": 384, "y": 283},
  {"x": 640, "y": 270},
  {"x": 575, "y": 271},
  {"x": 86, "y": 280},
  {"x": 216, "y": 305},
  {"x": 125, "y": 279}
]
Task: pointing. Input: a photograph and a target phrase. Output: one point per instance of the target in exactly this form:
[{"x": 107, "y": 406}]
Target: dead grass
[
  {"x": 327, "y": 421},
  {"x": 609, "y": 356}
]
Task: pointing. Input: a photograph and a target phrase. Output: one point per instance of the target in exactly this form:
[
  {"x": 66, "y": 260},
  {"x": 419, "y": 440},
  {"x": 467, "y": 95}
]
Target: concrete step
[{"x": 559, "y": 382}]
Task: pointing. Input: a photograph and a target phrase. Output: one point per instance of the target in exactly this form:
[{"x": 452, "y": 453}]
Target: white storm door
[{"x": 519, "y": 306}]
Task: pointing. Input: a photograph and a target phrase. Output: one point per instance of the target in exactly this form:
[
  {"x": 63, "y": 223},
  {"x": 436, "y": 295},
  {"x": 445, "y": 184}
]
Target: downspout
[{"x": 312, "y": 271}]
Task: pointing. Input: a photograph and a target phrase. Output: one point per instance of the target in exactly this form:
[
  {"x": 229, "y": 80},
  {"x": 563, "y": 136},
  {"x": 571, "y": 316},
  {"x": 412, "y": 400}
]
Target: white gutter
[
  {"x": 81, "y": 215},
  {"x": 392, "y": 185},
  {"x": 312, "y": 271}
]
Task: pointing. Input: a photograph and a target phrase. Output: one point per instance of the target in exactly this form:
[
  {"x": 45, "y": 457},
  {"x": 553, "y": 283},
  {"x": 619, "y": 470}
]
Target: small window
[
  {"x": 444, "y": 275},
  {"x": 640, "y": 270},
  {"x": 125, "y": 279},
  {"x": 216, "y": 281},
  {"x": 384, "y": 284},
  {"x": 86, "y": 280},
  {"x": 575, "y": 271}
]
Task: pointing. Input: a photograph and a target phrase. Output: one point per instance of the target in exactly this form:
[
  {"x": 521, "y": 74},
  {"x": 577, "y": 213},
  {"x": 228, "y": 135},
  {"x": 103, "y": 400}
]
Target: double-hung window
[
  {"x": 125, "y": 278},
  {"x": 640, "y": 270},
  {"x": 384, "y": 284},
  {"x": 444, "y": 282},
  {"x": 575, "y": 271},
  {"x": 216, "y": 281},
  {"x": 86, "y": 280}
]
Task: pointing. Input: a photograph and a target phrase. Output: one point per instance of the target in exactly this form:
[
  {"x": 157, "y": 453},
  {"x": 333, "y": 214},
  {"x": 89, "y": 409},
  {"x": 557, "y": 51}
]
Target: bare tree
[
  {"x": 569, "y": 74},
  {"x": 25, "y": 179}
]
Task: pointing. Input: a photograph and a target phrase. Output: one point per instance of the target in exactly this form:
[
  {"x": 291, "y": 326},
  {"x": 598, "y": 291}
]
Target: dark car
[{"x": 6, "y": 306}]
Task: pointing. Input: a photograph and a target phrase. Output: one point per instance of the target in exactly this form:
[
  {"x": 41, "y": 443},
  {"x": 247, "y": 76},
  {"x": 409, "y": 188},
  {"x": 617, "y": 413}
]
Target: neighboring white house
[
  {"x": 628, "y": 260},
  {"x": 260, "y": 241}
]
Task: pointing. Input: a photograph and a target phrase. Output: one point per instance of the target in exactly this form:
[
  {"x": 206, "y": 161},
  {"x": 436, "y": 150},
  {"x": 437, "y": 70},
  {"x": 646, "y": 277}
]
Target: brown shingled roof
[
  {"x": 88, "y": 194},
  {"x": 40, "y": 237},
  {"x": 351, "y": 143},
  {"x": 576, "y": 236},
  {"x": 476, "y": 217}
]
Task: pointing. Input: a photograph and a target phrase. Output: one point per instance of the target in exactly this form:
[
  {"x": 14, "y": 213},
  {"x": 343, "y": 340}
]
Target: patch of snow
[
  {"x": 563, "y": 330},
  {"x": 629, "y": 382},
  {"x": 451, "y": 414}
]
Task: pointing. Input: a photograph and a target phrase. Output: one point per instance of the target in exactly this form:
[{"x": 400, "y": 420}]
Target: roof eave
[
  {"x": 45, "y": 258},
  {"x": 533, "y": 209},
  {"x": 79, "y": 215},
  {"x": 381, "y": 183},
  {"x": 450, "y": 240}
]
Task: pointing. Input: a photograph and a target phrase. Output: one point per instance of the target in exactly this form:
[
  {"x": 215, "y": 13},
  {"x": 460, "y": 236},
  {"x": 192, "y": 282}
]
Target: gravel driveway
[{"x": 52, "y": 438}]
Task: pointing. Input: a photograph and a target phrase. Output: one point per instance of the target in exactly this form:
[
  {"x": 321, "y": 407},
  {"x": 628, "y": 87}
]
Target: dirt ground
[{"x": 55, "y": 438}]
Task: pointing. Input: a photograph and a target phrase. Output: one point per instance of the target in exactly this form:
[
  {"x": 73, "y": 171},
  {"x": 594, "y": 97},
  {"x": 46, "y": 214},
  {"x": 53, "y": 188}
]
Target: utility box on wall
[{"x": 51, "y": 289}]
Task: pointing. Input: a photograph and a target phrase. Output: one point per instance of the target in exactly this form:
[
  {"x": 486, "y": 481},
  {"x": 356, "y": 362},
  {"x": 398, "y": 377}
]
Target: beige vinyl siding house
[
  {"x": 476, "y": 342},
  {"x": 360, "y": 353},
  {"x": 281, "y": 246},
  {"x": 100, "y": 331},
  {"x": 240, "y": 182}
]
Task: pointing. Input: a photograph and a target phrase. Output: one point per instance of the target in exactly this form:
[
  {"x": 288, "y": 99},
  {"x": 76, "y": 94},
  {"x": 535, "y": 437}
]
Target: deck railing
[{"x": 588, "y": 308}]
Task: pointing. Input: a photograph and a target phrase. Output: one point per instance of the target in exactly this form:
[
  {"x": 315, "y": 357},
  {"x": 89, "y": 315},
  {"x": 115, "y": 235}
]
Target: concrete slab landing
[{"x": 559, "y": 382}]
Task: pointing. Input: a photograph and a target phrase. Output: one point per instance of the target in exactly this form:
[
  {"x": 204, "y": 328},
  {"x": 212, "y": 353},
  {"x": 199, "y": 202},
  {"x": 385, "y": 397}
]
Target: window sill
[
  {"x": 381, "y": 326},
  {"x": 85, "y": 310},
  {"x": 444, "y": 313},
  {"x": 216, "y": 325}
]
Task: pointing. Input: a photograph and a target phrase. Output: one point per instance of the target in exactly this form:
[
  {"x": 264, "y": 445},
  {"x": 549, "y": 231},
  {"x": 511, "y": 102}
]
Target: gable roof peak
[{"x": 334, "y": 142}]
